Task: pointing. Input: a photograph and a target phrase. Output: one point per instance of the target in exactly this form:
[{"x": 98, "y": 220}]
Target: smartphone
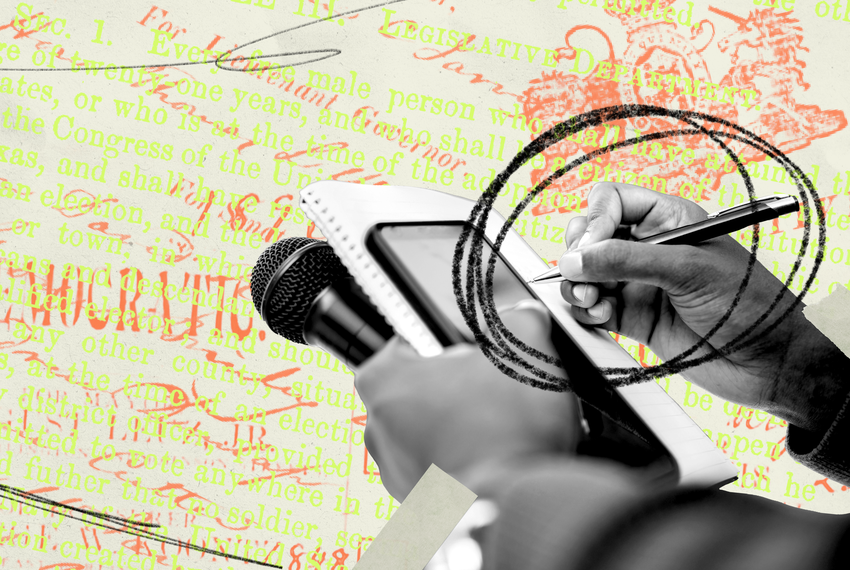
[{"x": 417, "y": 257}]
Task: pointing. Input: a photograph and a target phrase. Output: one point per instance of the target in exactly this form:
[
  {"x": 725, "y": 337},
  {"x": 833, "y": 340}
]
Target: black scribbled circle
[{"x": 498, "y": 349}]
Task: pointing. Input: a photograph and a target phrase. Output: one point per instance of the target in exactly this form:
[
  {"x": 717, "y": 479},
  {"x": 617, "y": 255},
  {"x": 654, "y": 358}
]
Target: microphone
[{"x": 305, "y": 294}]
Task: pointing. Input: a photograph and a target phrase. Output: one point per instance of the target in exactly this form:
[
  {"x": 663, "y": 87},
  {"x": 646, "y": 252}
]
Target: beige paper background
[
  {"x": 830, "y": 316},
  {"x": 385, "y": 64}
]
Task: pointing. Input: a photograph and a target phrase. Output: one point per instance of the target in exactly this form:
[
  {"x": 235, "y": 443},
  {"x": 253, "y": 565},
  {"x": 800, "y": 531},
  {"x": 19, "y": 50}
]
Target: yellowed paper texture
[
  {"x": 832, "y": 317},
  {"x": 429, "y": 513}
]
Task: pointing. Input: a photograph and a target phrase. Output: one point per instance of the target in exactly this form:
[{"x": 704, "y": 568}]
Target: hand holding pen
[
  {"x": 670, "y": 296},
  {"x": 718, "y": 224}
]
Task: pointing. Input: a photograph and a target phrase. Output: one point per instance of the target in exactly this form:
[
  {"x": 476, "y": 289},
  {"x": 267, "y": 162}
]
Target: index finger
[{"x": 610, "y": 204}]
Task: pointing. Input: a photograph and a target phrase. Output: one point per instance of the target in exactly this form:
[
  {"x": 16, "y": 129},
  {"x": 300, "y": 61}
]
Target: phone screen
[{"x": 425, "y": 252}]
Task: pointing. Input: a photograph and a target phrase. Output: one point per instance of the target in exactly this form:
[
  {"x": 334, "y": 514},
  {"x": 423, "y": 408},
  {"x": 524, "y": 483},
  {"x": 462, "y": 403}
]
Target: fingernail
[
  {"x": 583, "y": 240},
  {"x": 597, "y": 311},
  {"x": 579, "y": 291},
  {"x": 570, "y": 264}
]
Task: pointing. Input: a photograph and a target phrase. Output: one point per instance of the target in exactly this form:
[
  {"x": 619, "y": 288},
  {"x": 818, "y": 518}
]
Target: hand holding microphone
[
  {"x": 305, "y": 294},
  {"x": 477, "y": 425},
  {"x": 457, "y": 411}
]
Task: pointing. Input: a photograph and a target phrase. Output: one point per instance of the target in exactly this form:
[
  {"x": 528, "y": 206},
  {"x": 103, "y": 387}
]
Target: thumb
[
  {"x": 529, "y": 319},
  {"x": 531, "y": 322},
  {"x": 673, "y": 268},
  {"x": 395, "y": 355}
]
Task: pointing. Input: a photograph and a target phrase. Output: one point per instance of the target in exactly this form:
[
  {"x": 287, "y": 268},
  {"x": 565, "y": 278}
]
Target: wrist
[{"x": 811, "y": 384}]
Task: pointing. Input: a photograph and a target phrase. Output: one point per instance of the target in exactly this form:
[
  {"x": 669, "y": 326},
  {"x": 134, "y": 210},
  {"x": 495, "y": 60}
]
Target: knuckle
[
  {"x": 369, "y": 440},
  {"x": 593, "y": 216},
  {"x": 594, "y": 190},
  {"x": 359, "y": 384},
  {"x": 576, "y": 222},
  {"x": 611, "y": 260},
  {"x": 363, "y": 381},
  {"x": 694, "y": 272},
  {"x": 610, "y": 255},
  {"x": 567, "y": 290},
  {"x": 600, "y": 191},
  {"x": 678, "y": 212},
  {"x": 601, "y": 187},
  {"x": 598, "y": 220},
  {"x": 580, "y": 314},
  {"x": 693, "y": 212}
]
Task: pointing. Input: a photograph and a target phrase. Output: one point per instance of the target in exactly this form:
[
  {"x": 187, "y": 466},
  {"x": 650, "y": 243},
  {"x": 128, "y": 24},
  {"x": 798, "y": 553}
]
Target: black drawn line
[
  {"x": 331, "y": 52},
  {"x": 474, "y": 282},
  {"x": 25, "y": 495},
  {"x": 21, "y": 496},
  {"x": 336, "y": 51}
]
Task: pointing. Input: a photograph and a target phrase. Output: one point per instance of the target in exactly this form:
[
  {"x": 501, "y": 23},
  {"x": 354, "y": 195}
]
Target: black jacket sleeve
[
  {"x": 594, "y": 515},
  {"x": 828, "y": 452}
]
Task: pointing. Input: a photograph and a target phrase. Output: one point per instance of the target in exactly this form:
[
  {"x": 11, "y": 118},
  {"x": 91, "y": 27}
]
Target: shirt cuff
[{"x": 828, "y": 452}]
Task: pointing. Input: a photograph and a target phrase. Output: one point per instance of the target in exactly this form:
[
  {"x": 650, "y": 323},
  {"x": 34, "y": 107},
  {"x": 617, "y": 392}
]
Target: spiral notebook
[{"x": 345, "y": 213}]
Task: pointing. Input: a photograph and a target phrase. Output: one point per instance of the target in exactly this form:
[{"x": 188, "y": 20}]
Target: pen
[{"x": 719, "y": 223}]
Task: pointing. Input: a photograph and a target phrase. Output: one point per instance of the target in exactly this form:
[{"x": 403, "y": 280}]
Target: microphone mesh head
[{"x": 309, "y": 273}]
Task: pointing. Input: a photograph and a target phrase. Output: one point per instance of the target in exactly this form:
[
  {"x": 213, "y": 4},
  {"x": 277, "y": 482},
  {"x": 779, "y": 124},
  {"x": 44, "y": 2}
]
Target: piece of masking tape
[
  {"x": 420, "y": 525},
  {"x": 832, "y": 317}
]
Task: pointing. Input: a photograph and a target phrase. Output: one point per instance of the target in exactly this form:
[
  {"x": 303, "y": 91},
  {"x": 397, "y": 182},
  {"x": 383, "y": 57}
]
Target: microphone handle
[{"x": 344, "y": 322}]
